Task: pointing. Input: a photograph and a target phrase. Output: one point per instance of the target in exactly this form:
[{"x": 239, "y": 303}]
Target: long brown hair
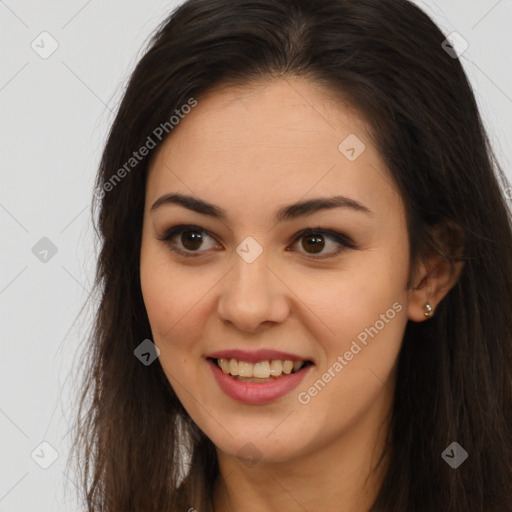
[{"x": 454, "y": 380}]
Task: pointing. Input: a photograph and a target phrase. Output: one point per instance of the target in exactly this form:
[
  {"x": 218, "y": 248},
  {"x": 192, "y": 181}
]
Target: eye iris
[
  {"x": 195, "y": 238},
  {"x": 317, "y": 245}
]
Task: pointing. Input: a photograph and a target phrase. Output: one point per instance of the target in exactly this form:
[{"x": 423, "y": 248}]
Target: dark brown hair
[{"x": 454, "y": 377}]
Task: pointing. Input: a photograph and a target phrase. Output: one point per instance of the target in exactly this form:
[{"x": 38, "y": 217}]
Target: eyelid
[{"x": 344, "y": 242}]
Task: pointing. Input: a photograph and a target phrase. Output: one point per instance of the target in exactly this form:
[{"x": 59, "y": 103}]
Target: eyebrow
[{"x": 289, "y": 212}]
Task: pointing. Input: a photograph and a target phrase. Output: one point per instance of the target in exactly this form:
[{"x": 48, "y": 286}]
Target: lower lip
[{"x": 254, "y": 393}]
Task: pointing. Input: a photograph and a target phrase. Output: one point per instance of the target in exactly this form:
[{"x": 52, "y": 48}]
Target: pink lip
[
  {"x": 252, "y": 392},
  {"x": 255, "y": 356}
]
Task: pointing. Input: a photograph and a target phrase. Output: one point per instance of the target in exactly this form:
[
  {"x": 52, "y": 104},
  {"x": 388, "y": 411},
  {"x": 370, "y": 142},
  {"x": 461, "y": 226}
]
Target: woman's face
[{"x": 251, "y": 284}]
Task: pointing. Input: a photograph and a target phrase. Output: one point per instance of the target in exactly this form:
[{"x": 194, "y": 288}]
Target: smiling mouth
[{"x": 260, "y": 372}]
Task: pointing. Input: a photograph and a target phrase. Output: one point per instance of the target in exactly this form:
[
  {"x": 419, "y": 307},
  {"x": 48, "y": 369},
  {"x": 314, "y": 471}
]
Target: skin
[{"x": 251, "y": 150}]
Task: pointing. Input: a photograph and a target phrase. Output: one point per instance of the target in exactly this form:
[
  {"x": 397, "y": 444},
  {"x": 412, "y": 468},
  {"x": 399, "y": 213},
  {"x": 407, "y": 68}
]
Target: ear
[{"x": 437, "y": 273}]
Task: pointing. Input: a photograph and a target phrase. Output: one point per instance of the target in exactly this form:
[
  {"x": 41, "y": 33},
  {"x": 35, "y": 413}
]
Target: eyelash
[{"x": 344, "y": 241}]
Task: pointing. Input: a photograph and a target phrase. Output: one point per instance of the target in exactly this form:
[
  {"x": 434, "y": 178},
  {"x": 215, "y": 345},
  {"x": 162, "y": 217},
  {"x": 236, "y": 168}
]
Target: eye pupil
[
  {"x": 318, "y": 243},
  {"x": 195, "y": 238}
]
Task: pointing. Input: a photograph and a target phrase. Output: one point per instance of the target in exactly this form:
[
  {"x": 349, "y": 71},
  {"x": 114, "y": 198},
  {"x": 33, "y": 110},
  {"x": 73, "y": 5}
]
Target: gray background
[{"x": 55, "y": 113}]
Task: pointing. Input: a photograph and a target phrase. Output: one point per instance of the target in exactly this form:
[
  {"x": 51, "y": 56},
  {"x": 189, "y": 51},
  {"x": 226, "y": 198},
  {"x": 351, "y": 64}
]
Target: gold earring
[{"x": 428, "y": 310}]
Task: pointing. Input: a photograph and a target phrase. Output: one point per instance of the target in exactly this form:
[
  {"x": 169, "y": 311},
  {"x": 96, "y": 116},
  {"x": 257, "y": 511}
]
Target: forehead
[
  {"x": 266, "y": 118},
  {"x": 270, "y": 143}
]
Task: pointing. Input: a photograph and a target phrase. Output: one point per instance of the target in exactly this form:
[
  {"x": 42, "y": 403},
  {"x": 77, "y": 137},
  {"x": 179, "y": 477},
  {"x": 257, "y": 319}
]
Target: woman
[{"x": 305, "y": 270}]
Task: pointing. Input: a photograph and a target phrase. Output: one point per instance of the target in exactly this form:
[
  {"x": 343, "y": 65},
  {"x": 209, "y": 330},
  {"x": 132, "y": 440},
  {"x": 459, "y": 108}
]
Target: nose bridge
[{"x": 251, "y": 293}]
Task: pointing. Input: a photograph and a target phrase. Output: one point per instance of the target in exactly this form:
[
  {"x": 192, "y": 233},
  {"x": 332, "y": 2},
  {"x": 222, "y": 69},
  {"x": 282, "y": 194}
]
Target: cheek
[
  {"x": 368, "y": 288},
  {"x": 172, "y": 295},
  {"x": 355, "y": 373},
  {"x": 178, "y": 304},
  {"x": 173, "y": 300},
  {"x": 366, "y": 315},
  {"x": 366, "y": 319}
]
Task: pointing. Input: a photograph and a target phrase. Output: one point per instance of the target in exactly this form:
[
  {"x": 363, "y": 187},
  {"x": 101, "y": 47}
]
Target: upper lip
[{"x": 255, "y": 356}]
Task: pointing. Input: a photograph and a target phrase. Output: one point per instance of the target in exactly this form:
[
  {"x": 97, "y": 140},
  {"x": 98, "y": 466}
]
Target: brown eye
[
  {"x": 191, "y": 239},
  {"x": 313, "y": 242},
  {"x": 187, "y": 240}
]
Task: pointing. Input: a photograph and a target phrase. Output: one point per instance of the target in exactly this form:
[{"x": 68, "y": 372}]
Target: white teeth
[
  {"x": 260, "y": 370},
  {"x": 245, "y": 369},
  {"x": 233, "y": 367},
  {"x": 224, "y": 364},
  {"x": 276, "y": 368},
  {"x": 288, "y": 367}
]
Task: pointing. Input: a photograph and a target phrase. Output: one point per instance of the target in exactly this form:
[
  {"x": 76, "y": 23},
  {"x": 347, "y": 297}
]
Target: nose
[{"x": 252, "y": 295}]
